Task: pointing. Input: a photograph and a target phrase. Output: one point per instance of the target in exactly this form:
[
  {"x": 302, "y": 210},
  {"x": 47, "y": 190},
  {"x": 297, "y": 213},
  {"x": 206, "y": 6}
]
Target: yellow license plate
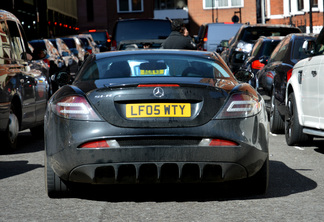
[{"x": 158, "y": 110}]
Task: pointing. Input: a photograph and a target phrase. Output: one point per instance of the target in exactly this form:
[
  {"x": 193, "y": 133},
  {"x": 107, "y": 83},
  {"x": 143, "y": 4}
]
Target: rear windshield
[
  {"x": 142, "y": 29},
  {"x": 251, "y": 34},
  {"x": 38, "y": 45},
  {"x": 70, "y": 42},
  {"x": 99, "y": 36},
  {"x": 141, "y": 66}
]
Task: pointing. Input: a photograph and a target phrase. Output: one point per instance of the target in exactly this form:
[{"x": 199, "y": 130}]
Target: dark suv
[
  {"x": 136, "y": 33},
  {"x": 241, "y": 45}
]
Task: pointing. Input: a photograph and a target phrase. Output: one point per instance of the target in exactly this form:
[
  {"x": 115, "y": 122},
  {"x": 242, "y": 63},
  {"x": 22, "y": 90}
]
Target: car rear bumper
[{"x": 157, "y": 163}]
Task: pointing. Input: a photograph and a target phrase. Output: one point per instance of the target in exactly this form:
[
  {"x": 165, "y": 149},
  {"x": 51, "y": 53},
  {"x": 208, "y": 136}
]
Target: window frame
[
  {"x": 130, "y": 9},
  {"x": 222, "y": 7}
]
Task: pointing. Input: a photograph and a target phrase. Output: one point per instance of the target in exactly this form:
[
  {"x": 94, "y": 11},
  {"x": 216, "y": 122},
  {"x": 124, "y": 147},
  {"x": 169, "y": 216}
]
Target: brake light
[
  {"x": 217, "y": 142},
  {"x": 289, "y": 73},
  {"x": 100, "y": 144},
  {"x": 240, "y": 106},
  {"x": 256, "y": 64},
  {"x": 205, "y": 39},
  {"x": 92, "y": 30},
  {"x": 113, "y": 45},
  {"x": 95, "y": 144},
  {"x": 74, "y": 107},
  {"x": 47, "y": 62}
]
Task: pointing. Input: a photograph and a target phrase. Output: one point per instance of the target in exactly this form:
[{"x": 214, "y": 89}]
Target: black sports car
[{"x": 155, "y": 116}]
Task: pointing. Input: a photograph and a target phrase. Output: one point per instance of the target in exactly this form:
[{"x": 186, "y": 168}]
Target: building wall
[
  {"x": 105, "y": 14},
  {"x": 280, "y": 12},
  {"x": 199, "y": 16}
]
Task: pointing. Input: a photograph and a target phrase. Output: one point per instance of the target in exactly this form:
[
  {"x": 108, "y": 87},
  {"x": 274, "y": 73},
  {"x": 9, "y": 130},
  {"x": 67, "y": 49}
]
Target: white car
[{"x": 305, "y": 96}]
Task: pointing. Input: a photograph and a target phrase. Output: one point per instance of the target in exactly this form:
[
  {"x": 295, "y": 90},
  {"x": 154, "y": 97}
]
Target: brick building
[{"x": 102, "y": 14}]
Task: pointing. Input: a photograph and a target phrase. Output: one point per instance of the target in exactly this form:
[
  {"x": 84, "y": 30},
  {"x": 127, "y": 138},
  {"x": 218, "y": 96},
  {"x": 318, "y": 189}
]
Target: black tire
[
  {"x": 258, "y": 184},
  {"x": 10, "y": 136},
  {"x": 277, "y": 124},
  {"x": 293, "y": 130},
  {"x": 55, "y": 187}
]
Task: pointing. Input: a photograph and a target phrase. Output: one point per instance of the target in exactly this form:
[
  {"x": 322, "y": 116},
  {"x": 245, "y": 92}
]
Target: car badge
[{"x": 158, "y": 92}]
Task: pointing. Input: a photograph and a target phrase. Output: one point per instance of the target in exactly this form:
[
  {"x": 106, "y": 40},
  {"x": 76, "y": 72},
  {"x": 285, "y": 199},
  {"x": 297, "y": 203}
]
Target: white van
[{"x": 210, "y": 35}]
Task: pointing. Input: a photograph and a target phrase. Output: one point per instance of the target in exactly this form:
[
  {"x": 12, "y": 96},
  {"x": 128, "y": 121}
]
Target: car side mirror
[{"x": 243, "y": 75}]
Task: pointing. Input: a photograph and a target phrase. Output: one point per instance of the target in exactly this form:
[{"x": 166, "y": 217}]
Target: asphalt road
[{"x": 295, "y": 193}]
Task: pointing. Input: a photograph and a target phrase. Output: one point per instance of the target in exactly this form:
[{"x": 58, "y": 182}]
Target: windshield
[
  {"x": 141, "y": 66},
  {"x": 251, "y": 34}
]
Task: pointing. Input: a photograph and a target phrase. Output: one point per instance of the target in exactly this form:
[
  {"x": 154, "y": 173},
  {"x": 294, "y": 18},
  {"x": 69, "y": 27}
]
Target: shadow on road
[
  {"x": 13, "y": 168},
  {"x": 284, "y": 181}
]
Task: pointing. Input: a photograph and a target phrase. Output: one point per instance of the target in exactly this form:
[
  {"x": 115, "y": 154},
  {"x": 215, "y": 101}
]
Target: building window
[
  {"x": 315, "y": 3},
  {"x": 130, "y": 5},
  {"x": 300, "y": 5},
  {"x": 209, "y": 4}
]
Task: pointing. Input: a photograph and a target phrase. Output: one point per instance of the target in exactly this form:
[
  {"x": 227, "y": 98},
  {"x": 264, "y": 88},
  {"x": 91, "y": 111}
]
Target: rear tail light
[
  {"x": 240, "y": 106},
  {"x": 113, "y": 45},
  {"x": 256, "y": 64},
  {"x": 89, "y": 50},
  {"x": 100, "y": 144},
  {"x": 47, "y": 62},
  {"x": 217, "y": 142},
  {"x": 289, "y": 73},
  {"x": 74, "y": 107}
]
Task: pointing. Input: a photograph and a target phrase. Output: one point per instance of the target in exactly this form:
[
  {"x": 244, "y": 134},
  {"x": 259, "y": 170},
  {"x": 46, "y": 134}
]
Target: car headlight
[
  {"x": 244, "y": 46},
  {"x": 240, "y": 105},
  {"x": 74, "y": 107}
]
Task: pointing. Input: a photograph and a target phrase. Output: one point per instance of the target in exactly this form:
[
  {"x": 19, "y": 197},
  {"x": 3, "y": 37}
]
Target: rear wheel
[
  {"x": 277, "y": 125},
  {"x": 293, "y": 130},
  {"x": 10, "y": 136},
  {"x": 55, "y": 187}
]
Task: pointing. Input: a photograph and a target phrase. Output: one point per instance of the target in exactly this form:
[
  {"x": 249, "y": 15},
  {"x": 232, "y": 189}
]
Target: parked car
[
  {"x": 155, "y": 116},
  {"x": 241, "y": 45},
  {"x": 101, "y": 37},
  {"x": 260, "y": 54},
  {"x": 76, "y": 47},
  {"x": 304, "y": 95},
  {"x": 210, "y": 35},
  {"x": 273, "y": 77},
  {"x": 45, "y": 50},
  {"x": 23, "y": 85},
  {"x": 90, "y": 43},
  {"x": 128, "y": 32},
  {"x": 71, "y": 61}
]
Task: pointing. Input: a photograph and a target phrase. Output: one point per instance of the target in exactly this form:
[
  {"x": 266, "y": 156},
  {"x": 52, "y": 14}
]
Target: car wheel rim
[
  {"x": 272, "y": 110},
  {"x": 290, "y": 119},
  {"x": 13, "y": 127}
]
